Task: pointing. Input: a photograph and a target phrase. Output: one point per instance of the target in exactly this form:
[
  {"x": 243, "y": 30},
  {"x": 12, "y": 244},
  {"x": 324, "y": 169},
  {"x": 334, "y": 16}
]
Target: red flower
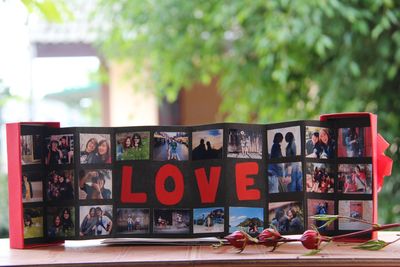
[
  {"x": 311, "y": 239},
  {"x": 239, "y": 239},
  {"x": 269, "y": 237}
]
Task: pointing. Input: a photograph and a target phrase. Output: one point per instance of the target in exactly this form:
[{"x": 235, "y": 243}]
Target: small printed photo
[
  {"x": 244, "y": 144},
  {"x": 31, "y": 149},
  {"x": 32, "y": 187},
  {"x": 60, "y": 185},
  {"x": 171, "y": 221},
  {"x": 95, "y": 148},
  {"x": 133, "y": 221},
  {"x": 250, "y": 220},
  {"x": 171, "y": 146},
  {"x": 208, "y": 220},
  {"x": 33, "y": 223},
  {"x": 60, "y": 222},
  {"x": 132, "y": 145},
  {"x": 320, "y": 178},
  {"x": 287, "y": 217},
  {"x": 284, "y": 142},
  {"x": 320, "y": 143},
  {"x": 355, "y": 210},
  {"x": 207, "y": 144},
  {"x": 355, "y": 178},
  {"x": 355, "y": 142},
  {"x": 320, "y": 207},
  {"x": 95, "y": 184},
  {"x": 59, "y": 149},
  {"x": 285, "y": 177},
  {"x": 95, "y": 220}
]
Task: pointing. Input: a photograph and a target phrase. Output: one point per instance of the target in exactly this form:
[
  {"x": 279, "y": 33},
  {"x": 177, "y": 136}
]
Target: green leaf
[
  {"x": 372, "y": 245},
  {"x": 313, "y": 252}
]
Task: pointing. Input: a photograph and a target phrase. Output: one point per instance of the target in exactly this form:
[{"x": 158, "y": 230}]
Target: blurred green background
[{"x": 270, "y": 61}]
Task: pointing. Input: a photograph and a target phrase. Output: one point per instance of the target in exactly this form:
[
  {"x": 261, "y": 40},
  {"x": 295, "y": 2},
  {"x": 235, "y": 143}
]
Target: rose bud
[
  {"x": 269, "y": 237},
  {"x": 238, "y": 239},
  {"x": 311, "y": 239}
]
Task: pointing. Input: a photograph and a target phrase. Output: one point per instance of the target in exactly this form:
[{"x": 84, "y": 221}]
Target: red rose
[
  {"x": 269, "y": 237},
  {"x": 311, "y": 239},
  {"x": 238, "y": 239}
]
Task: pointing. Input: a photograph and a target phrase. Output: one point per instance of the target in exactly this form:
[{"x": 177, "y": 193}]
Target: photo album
[{"x": 190, "y": 181}]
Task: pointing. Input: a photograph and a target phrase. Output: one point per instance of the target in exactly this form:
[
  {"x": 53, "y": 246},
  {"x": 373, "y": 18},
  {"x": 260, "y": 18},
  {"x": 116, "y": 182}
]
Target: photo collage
[{"x": 72, "y": 181}]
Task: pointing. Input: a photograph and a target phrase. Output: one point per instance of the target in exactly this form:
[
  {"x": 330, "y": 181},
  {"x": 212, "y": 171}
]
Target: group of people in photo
[
  {"x": 288, "y": 221},
  {"x": 59, "y": 151},
  {"x": 204, "y": 150},
  {"x": 320, "y": 144},
  {"x": 285, "y": 177},
  {"x": 60, "y": 185},
  {"x": 319, "y": 180},
  {"x": 96, "y": 152},
  {"x": 290, "y": 149},
  {"x": 354, "y": 181},
  {"x": 132, "y": 147},
  {"x": 244, "y": 144},
  {"x": 96, "y": 223},
  {"x": 62, "y": 224}
]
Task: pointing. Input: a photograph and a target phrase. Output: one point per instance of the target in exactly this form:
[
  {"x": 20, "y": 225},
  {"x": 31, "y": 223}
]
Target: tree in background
[{"x": 274, "y": 60}]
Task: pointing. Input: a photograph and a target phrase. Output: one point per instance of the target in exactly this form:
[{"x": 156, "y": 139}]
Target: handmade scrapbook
[{"x": 191, "y": 181}]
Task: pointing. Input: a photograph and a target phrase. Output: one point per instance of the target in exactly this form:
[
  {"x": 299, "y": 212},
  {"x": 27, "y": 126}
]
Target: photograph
[
  {"x": 208, "y": 220},
  {"x": 95, "y": 148},
  {"x": 95, "y": 184},
  {"x": 60, "y": 222},
  {"x": 320, "y": 207},
  {"x": 59, "y": 149},
  {"x": 320, "y": 143},
  {"x": 320, "y": 178},
  {"x": 250, "y": 220},
  {"x": 357, "y": 209},
  {"x": 287, "y": 217},
  {"x": 132, "y": 145},
  {"x": 133, "y": 221},
  {"x": 284, "y": 142},
  {"x": 31, "y": 149},
  {"x": 171, "y": 221},
  {"x": 207, "y": 144},
  {"x": 285, "y": 177},
  {"x": 354, "y": 142},
  {"x": 171, "y": 146},
  {"x": 355, "y": 178},
  {"x": 33, "y": 223},
  {"x": 244, "y": 144},
  {"x": 32, "y": 187},
  {"x": 95, "y": 220},
  {"x": 60, "y": 185}
]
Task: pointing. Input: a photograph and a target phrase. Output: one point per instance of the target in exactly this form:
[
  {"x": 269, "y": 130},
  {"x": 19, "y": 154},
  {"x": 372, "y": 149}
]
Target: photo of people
[
  {"x": 244, "y": 144},
  {"x": 287, "y": 217},
  {"x": 250, "y": 220},
  {"x": 357, "y": 209},
  {"x": 319, "y": 178},
  {"x": 208, "y": 220},
  {"x": 320, "y": 143},
  {"x": 284, "y": 142},
  {"x": 33, "y": 223},
  {"x": 59, "y": 149},
  {"x": 355, "y": 142},
  {"x": 355, "y": 178},
  {"x": 60, "y": 222},
  {"x": 32, "y": 187},
  {"x": 320, "y": 207},
  {"x": 171, "y": 146},
  {"x": 60, "y": 185},
  {"x": 95, "y": 221},
  {"x": 133, "y": 221},
  {"x": 95, "y": 184},
  {"x": 285, "y": 177},
  {"x": 95, "y": 148},
  {"x": 132, "y": 145},
  {"x": 31, "y": 149},
  {"x": 171, "y": 221},
  {"x": 207, "y": 144}
]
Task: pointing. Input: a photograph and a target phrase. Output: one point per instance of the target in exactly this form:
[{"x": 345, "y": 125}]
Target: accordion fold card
[{"x": 191, "y": 181}]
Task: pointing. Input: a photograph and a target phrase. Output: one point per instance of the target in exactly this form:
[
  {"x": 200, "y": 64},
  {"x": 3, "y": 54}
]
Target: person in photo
[
  {"x": 89, "y": 154},
  {"x": 291, "y": 145},
  {"x": 276, "y": 151}
]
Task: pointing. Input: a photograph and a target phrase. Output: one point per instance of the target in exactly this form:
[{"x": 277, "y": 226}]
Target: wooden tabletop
[{"x": 92, "y": 253}]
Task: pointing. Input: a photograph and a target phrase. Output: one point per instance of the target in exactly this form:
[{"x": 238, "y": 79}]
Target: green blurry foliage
[{"x": 275, "y": 60}]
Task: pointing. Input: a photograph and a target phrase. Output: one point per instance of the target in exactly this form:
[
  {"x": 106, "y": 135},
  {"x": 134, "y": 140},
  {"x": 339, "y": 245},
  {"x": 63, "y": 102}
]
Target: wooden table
[{"x": 92, "y": 253}]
